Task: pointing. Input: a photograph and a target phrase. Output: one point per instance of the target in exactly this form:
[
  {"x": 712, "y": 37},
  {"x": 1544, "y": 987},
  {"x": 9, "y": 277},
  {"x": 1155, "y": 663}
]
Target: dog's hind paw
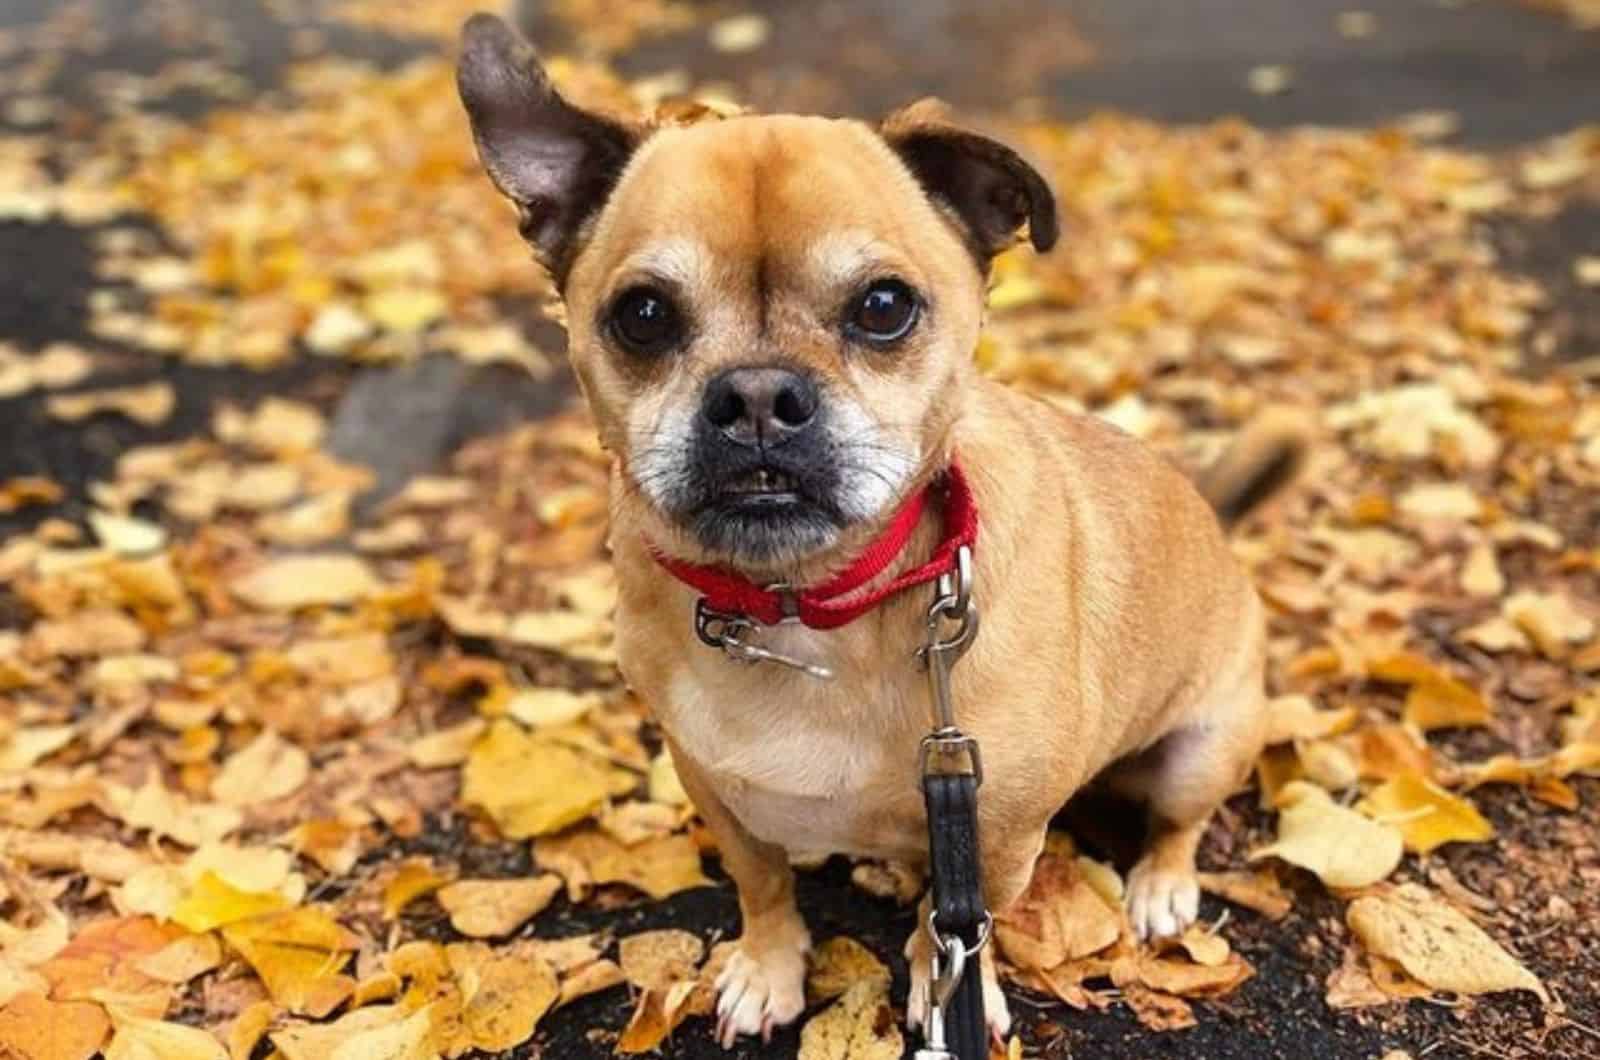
[
  {"x": 1161, "y": 902},
  {"x": 755, "y": 996}
]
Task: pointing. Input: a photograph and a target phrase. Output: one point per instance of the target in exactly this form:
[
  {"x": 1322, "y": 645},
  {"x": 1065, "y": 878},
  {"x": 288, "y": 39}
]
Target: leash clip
[{"x": 729, "y": 632}]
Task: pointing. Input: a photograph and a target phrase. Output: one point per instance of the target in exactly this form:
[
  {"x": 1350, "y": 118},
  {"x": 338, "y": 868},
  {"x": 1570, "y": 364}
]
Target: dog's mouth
[{"x": 764, "y": 483}]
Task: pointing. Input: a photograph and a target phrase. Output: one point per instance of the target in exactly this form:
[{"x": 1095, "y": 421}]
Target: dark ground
[{"x": 1510, "y": 73}]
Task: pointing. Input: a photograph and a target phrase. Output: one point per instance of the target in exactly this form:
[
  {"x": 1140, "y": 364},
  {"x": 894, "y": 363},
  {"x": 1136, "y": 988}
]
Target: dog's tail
[{"x": 1266, "y": 456}]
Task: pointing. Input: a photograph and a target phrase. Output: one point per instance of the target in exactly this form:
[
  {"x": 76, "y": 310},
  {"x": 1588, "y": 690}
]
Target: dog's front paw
[
  {"x": 996, "y": 1011},
  {"x": 1161, "y": 902},
  {"x": 758, "y": 993}
]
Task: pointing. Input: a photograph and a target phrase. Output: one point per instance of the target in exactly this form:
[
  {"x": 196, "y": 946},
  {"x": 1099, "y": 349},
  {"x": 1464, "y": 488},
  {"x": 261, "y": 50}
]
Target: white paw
[
  {"x": 1161, "y": 902},
  {"x": 995, "y": 1009},
  {"x": 754, "y": 996}
]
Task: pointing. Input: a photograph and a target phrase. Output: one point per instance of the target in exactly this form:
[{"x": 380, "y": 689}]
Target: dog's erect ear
[
  {"x": 556, "y": 162},
  {"x": 988, "y": 185}
]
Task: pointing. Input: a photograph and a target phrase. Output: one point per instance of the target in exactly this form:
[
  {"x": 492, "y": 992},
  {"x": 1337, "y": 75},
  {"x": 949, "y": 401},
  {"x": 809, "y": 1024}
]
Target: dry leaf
[
  {"x": 35, "y": 1028},
  {"x": 1436, "y": 944},
  {"x": 532, "y": 786},
  {"x": 1257, "y": 890},
  {"x": 858, "y": 1026},
  {"x": 268, "y": 768},
  {"x": 839, "y": 964},
  {"x": 307, "y": 581},
  {"x": 149, "y": 404},
  {"x": 1426, "y": 815},
  {"x": 299, "y": 954},
  {"x": 1341, "y": 846},
  {"x": 491, "y": 908},
  {"x": 658, "y": 867},
  {"x": 413, "y": 878},
  {"x": 150, "y": 1039}
]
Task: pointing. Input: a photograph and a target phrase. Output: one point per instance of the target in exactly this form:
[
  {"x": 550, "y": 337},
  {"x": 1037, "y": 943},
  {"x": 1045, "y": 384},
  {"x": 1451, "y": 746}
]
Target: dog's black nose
[{"x": 759, "y": 406}]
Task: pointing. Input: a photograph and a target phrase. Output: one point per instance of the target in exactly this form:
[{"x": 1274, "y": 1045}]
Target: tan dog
[{"x": 773, "y": 320}]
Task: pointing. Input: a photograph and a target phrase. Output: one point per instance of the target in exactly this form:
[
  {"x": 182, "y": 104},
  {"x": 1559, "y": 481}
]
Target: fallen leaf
[
  {"x": 307, "y": 581},
  {"x": 1426, "y": 815},
  {"x": 413, "y": 878},
  {"x": 492, "y": 908},
  {"x": 839, "y": 964},
  {"x": 1435, "y": 943},
  {"x": 151, "y": 1039},
  {"x": 1343, "y": 848},
  {"x": 658, "y": 867},
  {"x": 1257, "y": 890},
  {"x": 267, "y": 768},
  {"x": 33, "y": 1027},
  {"x": 858, "y": 1026},
  {"x": 299, "y": 954},
  {"x": 532, "y": 786},
  {"x": 212, "y": 902},
  {"x": 149, "y": 404}
]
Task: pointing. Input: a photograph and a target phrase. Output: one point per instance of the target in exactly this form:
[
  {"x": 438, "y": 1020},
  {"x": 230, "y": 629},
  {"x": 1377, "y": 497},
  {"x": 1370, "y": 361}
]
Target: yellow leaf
[
  {"x": 148, "y": 1039},
  {"x": 1343, "y": 848},
  {"x": 1426, "y": 814},
  {"x": 1444, "y": 703},
  {"x": 32, "y": 1027},
  {"x": 1292, "y": 718},
  {"x": 126, "y": 535},
  {"x": 490, "y": 908},
  {"x": 532, "y": 786},
  {"x": 212, "y": 903},
  {"x": 446, "y": 747},
  {"x": 656, "y": 960},
  {"x": 1436, "y": 944},
  {"x": 858, "y": 1026},
  {"x": 658, "y": 867},
  {"x": 549, "y": 706},
  {"x": 839, "y": 964},
  {"x": 267, "y": 768},
  {"x": 299, "y": 954},
  {"x": 307, "y": 581},
  {"x": 413, "y": 878},
  {"x": 148, "y": 404},
  {"x": 365, "y": 1034}
]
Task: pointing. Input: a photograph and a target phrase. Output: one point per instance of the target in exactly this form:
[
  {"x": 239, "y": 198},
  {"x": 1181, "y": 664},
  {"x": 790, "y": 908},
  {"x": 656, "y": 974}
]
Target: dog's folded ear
[
  {"x": 991, "y": 189},
  {"x": 557, "y": 162}
]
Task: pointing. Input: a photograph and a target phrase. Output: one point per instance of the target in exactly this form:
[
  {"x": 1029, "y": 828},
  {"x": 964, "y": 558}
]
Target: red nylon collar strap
[{"x": 838, "y": 601}]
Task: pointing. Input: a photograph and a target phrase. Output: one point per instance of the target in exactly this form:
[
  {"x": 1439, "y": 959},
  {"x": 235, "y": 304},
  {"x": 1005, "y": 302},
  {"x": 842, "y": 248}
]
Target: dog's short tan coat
[{"x": 1120, "y": 639}]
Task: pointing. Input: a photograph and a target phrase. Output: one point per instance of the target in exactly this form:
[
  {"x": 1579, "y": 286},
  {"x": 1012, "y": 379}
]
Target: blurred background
[{"x": 275, "y": 197}]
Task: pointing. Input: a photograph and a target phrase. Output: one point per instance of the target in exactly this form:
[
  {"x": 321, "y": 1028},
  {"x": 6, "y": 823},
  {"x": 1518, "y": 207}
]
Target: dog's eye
[
  {"x": 885, "y": 312},
  {"x": 645, "y": 321}
]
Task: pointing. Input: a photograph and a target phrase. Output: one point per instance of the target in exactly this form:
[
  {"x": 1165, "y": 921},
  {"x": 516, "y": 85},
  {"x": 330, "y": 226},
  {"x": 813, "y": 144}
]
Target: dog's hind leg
[{"x": 1182, "y": 779}]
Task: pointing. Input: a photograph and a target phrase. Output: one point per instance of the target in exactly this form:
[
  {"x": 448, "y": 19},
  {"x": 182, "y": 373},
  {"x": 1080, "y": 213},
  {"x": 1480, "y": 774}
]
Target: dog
[{"x": 773, "y": 321}]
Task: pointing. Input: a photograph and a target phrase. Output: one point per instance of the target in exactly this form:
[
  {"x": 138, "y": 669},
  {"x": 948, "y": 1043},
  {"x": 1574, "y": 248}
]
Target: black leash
[{"x": 951, "y": 772}]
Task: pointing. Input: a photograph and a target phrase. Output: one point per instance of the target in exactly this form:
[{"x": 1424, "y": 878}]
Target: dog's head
[{"x": 772, "y": 317}]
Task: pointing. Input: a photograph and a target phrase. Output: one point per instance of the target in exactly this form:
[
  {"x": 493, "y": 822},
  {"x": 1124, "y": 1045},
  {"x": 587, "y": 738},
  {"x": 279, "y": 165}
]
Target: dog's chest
[{"x": 815, "y": 766}]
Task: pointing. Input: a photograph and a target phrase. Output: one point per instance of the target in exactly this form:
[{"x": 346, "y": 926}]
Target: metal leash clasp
[
  {"x": 952, "y": 627},
  {"x": 731, "y": 633}
]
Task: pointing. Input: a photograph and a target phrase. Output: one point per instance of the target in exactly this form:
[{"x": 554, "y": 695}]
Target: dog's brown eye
[
  {"x": 885, "y": 313},
  {"x": 645, "y": 321}
]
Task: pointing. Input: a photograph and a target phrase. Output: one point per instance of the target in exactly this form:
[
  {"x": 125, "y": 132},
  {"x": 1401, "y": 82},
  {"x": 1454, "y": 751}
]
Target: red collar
[{"x": 837, "y": 602}]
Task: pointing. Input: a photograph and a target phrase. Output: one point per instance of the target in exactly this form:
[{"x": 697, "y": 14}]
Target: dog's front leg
[
  {"x": 763, "y": 985},
  {"x": 1008, "y": 860}
]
